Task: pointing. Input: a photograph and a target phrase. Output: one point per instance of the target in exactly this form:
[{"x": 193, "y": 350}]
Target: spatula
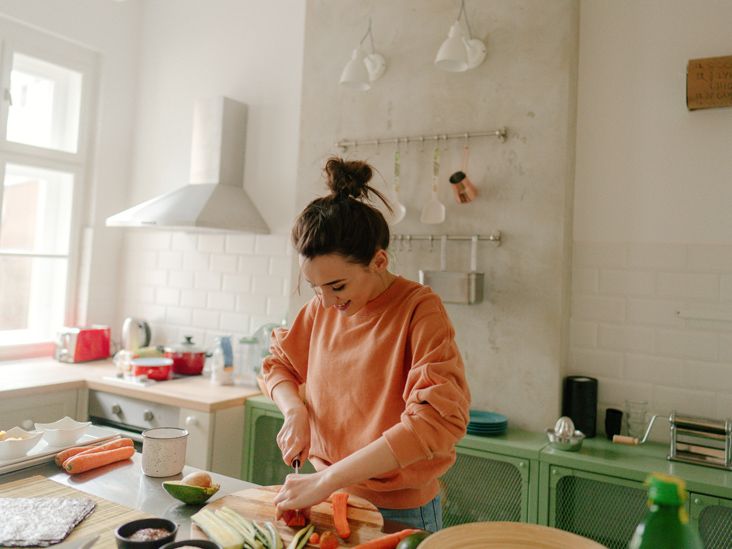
[{"x": 434, "y": 211}]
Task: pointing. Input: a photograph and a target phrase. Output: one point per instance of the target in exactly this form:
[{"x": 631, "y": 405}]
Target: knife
[
  {"x": 82, "y": 543},
  {"x": 296, "y": 465}
]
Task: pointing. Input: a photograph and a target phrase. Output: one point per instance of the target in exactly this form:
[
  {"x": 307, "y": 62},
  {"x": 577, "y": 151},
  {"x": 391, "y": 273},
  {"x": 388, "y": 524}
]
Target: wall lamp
[
  {"x": 459, "y": 52},
  {"x": 363, "y": 68}
]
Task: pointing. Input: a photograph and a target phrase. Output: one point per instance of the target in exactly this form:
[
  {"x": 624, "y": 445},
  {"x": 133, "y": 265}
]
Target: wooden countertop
[{"x": 42, "y": 375}]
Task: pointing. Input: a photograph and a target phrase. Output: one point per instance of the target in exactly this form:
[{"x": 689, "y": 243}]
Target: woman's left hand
[{"x": 302, "y": 492}]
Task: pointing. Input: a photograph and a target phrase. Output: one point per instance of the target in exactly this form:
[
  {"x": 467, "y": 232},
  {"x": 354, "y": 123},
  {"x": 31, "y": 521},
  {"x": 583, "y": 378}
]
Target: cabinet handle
[
  {"x": 117, "y": 410},
  {"x": 522, "y": 464},
  {"x": 697, "y": 501},
  {"x": 27, "y": 424},
  {"x": 148, "y": 416},
  {"x": 191, "y": 421}
]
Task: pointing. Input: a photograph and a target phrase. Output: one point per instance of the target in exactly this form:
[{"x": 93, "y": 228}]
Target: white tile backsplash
[
  {"x": 626, "y": 332},
  {"x": 206, "y": 284}
]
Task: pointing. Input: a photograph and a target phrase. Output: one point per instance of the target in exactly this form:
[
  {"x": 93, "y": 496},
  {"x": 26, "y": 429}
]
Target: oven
[{"x": 130, "y": 416}]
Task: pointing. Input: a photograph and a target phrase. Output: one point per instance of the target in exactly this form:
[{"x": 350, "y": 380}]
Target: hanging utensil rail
[
  {"x": 494, "y": 237},
  {"x": 500, "y": 133}
]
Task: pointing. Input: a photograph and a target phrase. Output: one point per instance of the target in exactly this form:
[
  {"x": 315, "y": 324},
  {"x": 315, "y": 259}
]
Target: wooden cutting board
[
  {"x": 257, "y": 504},
  {"x": 105, "y": 518}
]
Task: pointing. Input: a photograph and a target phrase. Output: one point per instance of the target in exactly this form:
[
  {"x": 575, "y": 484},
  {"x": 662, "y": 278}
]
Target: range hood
[{"x": 215, "y": 200}]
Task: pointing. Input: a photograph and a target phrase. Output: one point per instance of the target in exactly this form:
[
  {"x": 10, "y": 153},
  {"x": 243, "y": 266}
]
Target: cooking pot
[
  {"x": 158, "y": 369},
  {"x": 187, "y": 358}
]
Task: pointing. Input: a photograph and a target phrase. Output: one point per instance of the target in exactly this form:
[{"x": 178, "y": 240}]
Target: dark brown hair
[{"x": 342, "y": 222}]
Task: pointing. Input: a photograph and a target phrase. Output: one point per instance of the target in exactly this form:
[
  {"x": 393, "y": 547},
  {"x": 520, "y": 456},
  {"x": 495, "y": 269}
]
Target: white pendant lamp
[
  {"x": 363, "y": 68},
  {"x": 459, "y": 52}
]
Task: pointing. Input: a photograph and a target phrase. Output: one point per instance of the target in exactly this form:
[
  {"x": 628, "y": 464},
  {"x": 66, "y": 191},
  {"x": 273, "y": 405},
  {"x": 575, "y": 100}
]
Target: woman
[{"x": 385, "y": 396}]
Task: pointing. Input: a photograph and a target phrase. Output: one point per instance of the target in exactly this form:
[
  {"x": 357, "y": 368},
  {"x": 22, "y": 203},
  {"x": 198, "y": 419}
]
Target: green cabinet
[
  {"x": 713, "y": 518},
  {"x": 493, "y": 479},
  {"x": 262, "y": 460},
  {"x": 603, "y": 508},
  {"x": 597, "y": 492}
]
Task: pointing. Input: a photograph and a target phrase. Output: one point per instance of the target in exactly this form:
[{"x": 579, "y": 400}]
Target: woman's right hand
[{"x": 294, "y": 436}]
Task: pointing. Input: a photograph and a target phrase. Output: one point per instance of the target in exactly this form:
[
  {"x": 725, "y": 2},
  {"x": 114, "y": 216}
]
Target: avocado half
[{"x": 188, "y": 493}]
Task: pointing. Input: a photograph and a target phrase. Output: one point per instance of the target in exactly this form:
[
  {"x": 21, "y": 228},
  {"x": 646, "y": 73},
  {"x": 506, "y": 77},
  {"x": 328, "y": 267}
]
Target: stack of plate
[{"x": 486, "y": 424}]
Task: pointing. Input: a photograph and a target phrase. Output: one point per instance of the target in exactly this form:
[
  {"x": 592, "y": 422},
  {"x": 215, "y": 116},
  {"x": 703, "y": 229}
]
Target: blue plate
[{"x": 480, "y": 417}]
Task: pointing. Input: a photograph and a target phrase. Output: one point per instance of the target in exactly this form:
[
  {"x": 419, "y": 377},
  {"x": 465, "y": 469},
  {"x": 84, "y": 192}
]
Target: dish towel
[{"x": 40, "y": 521}]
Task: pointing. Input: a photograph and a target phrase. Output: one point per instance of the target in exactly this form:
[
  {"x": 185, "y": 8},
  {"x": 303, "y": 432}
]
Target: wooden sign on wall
[{"x": 709, "y": 83}]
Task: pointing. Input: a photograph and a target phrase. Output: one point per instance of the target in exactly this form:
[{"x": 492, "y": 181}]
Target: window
[{"x": 44, "y": 127}]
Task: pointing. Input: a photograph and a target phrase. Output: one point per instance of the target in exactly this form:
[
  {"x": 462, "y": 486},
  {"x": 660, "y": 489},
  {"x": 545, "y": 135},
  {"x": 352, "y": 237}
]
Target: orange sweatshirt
[{"x": 393, "y": 370}]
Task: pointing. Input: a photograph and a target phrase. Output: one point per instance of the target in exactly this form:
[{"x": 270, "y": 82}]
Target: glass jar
[{"x": 247, "y": 366}]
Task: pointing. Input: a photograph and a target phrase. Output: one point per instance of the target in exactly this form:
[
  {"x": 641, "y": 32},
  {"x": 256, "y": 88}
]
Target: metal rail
[{"x": 500, "y": 133}]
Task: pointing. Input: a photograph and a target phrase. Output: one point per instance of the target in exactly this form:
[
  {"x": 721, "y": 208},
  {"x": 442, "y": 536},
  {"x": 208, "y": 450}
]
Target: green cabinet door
[
  {"x": 603, "y": 508},
  {"x": 483, "y": 486},
  {"x": 262, "y": 463},
  {"x": 712, "y": 517}
]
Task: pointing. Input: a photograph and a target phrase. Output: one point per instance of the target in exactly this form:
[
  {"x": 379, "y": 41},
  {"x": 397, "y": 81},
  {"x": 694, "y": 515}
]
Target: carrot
[
  {"x": 85, "y": 462},
  {"x": 75, "y": 451},
  {"x": 329, "y": 540},
  {"x": 63, "y": 455},
  {"x": 340, "y": 514},
  {"x": 389, "y": 541},
  {"x": 314, "y": 539},
  {"x": 293, "y": 518}
]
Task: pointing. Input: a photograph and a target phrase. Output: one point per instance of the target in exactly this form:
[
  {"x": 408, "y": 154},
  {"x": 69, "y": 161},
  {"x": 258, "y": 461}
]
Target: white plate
[
  {"x": 43, "y": 452},
  {"x": 11, "y": 449},
  {"x": 63, "y": 432}
]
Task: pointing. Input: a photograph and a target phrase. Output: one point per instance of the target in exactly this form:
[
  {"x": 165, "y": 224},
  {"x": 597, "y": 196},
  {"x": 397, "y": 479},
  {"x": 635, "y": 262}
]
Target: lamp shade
[
  {"x": 355, "y": 74},
  {"x": 457, "y": 53},
  {"x": 453, "y": 55}
]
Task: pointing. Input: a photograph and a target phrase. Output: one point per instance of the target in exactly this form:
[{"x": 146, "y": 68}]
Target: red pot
[
  {"x": 187, "y": 358},
  {"x": 158, "y": 369}
]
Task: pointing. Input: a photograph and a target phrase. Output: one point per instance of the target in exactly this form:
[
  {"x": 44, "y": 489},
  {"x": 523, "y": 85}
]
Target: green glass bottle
[{"x": 666, "y": 525}]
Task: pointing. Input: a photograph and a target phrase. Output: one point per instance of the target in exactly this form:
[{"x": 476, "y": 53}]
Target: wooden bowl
[{"x": 506, "y": 535}]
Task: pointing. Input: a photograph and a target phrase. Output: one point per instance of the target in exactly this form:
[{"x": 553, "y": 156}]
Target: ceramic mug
[{"x": 163, "y": 451}]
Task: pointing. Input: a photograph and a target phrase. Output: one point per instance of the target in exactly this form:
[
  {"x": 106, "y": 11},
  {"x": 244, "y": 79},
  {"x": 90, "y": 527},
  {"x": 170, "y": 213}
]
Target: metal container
[{"x": 464, "y": 287}]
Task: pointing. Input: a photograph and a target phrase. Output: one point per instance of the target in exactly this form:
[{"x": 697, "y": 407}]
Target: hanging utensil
[
  {"x": 399, "y": 210},
  {"x": 462, "y": 187},
  {"x": 434, "y": 211}
]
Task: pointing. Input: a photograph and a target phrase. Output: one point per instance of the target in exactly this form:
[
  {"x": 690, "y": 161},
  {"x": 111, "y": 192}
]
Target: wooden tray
[
  {"x": 506, "y": 535},
  {"x": 257, "y": 504},
  {"x": 105, "y": 518}
]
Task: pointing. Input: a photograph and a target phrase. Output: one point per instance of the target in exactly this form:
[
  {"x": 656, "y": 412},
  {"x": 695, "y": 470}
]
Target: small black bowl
[
  {"x": 123, "y": 533},
  {"x": 202, "y": 543}
]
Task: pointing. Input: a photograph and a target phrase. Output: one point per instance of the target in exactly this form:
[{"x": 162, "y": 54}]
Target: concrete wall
[
  {"x": 512, "y": 342},
  {"x": 652, "y": 225}
]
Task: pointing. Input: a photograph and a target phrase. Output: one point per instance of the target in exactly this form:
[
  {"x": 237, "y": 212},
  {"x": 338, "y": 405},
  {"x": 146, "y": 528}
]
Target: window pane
[
  {"x": 36, "y": 210},
  {"x": 46, "y": 101},
  {"x": 32, "y": 298}
]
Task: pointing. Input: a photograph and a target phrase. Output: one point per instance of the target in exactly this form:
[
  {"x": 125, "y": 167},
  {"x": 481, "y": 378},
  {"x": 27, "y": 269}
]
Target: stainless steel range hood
[{"x": 215, "y": 200}]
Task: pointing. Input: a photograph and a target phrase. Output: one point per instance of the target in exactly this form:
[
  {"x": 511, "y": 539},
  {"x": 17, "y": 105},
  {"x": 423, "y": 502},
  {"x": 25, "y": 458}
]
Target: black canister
[{"x": 579, "y": 402}]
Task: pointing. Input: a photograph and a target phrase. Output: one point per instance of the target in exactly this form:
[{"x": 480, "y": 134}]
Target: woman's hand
[
  {"x": 294, "y": 436},
  {"x": 300, "y": 492}
]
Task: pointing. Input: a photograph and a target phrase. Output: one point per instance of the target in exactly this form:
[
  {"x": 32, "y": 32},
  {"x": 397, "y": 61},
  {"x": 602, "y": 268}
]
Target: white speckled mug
[{"x": 163, "y": 451}]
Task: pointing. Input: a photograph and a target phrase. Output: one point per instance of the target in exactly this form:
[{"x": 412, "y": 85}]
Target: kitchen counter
[
  {"x": 125, "y": 484},
  {"x": 43, "y": 375}
]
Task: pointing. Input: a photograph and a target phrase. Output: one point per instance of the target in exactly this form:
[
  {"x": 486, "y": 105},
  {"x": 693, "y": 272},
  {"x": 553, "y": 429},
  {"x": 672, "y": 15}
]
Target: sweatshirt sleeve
[
  {"x": 289, "y": 350},
  {"x": 436, "y": 392}
]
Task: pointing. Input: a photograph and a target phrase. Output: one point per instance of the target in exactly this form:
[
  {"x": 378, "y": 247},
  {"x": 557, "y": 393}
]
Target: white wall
[
  {"x": 512, "y": 342},
  {"x": 111, "y": 29},
  {"x": 205, "y": 285},
  {"x": 652, "y": 227}
]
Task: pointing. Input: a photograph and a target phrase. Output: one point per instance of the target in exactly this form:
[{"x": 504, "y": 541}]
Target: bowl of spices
[{"x": 148, "y": 533}]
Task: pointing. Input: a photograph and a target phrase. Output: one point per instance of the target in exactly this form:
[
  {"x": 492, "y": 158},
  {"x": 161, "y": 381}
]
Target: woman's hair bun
[{"x": 347, "y": 178}]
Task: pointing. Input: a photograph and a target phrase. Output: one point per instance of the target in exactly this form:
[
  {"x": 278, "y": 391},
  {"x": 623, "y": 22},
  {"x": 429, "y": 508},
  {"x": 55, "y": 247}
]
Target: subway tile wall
[
  {"x": 654, "y": 322},
  {"x": 205, "y": 285}
]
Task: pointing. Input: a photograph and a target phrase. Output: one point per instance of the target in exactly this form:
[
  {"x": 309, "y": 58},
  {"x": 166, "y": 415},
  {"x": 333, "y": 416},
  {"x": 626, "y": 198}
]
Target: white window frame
[{"x": 16, "y": 37}]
